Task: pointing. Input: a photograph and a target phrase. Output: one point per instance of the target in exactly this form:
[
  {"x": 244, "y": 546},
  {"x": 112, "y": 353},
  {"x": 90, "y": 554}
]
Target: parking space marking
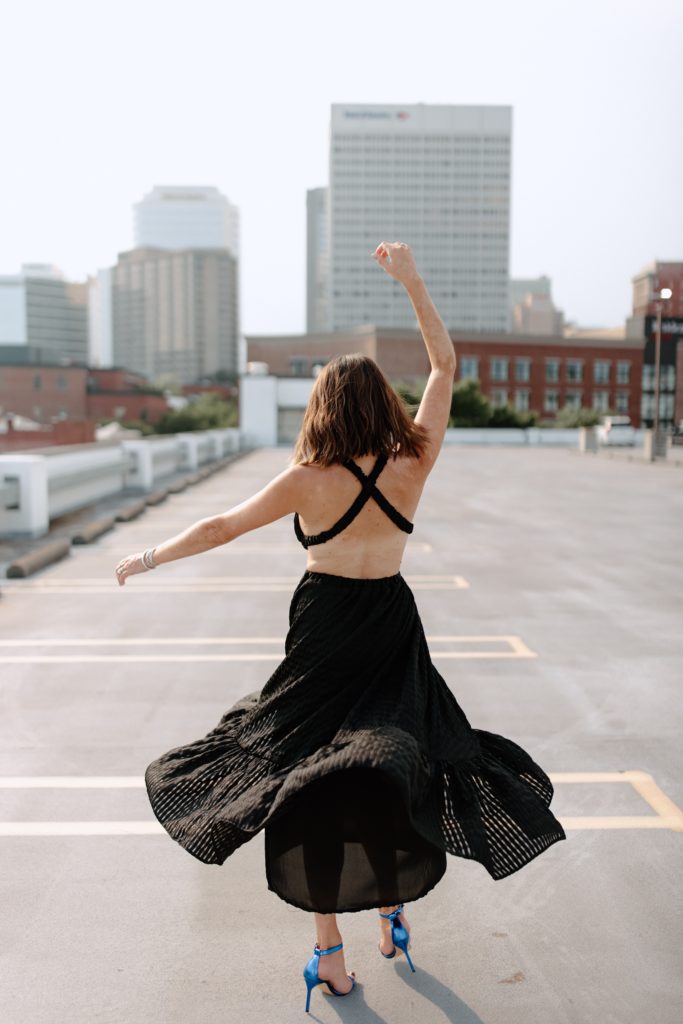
[
  {"x": 250, "y": 547},
  {"x": 667, "y": 814},
  {"x": 512, "y": 647},
  {"x": 198, "y": 584}
]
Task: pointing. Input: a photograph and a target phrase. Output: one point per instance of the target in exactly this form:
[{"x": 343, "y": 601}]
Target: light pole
[{"x": 660, "y": 297}]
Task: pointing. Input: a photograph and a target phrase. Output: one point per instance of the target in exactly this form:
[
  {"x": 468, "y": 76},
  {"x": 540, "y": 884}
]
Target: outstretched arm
[{"x": 275, "y": 500}]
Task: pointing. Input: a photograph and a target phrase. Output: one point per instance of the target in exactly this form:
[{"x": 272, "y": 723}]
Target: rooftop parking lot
[{"x": 549, "y": 585}]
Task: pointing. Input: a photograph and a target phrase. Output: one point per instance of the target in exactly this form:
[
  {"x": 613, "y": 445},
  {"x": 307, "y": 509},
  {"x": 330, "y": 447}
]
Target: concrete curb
[
  {"x": 156, "y": 497},
  {"x": 128, "y": 512},
  {"x": 42, "y": 556},
  {"x": 95, "y": 528}
]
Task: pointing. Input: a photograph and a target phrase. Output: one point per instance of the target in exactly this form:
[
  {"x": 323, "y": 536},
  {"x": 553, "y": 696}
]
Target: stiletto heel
[
  {"x": 311, "y": 974},
  {"x": 400, "y": 936}
]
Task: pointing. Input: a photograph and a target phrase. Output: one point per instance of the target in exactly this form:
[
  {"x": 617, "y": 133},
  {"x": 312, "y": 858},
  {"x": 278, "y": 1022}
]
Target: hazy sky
[{"x": 102, "y": 102}]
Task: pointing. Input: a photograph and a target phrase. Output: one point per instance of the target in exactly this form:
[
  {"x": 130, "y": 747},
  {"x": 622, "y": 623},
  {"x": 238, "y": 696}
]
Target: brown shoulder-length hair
[{"x": 353, "y": 410}]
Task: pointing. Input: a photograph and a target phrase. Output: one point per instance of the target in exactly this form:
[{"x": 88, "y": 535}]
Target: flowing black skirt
[{"x": 357, "y": 760}]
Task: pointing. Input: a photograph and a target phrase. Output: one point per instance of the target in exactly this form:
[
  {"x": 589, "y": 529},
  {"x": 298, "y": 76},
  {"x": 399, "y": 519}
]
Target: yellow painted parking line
[
  {"x": 140, "y": 583},
  {"x": 72, "y": 782},
  {"x": 515, "y": 648},
  {"x": 252, "y": 548},
  {"x": 80, "y": 828},
  {"x": 667, "y": 814}
]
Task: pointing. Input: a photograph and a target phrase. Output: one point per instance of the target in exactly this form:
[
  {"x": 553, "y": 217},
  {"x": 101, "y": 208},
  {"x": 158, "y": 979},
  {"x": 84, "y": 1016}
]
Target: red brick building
[
  {"x": 529, "y": 372},
  {"x": 46, "y": 393},
  {"x": 123, "y": 395}
]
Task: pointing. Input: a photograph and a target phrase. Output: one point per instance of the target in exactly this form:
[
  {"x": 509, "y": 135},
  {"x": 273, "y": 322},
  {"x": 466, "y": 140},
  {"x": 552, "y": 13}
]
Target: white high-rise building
[
  {"x": 436, "y": 177},
  {"x": 186, "y": 217}
]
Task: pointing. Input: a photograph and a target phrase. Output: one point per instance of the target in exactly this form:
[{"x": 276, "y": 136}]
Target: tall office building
[
  {"x": 174, "y": 313},
  {"x": 317, "y": 252},
  {"x": 437, "y": 177},
  {"x": 186, "y": 217},
  {"x": 43, "y": 317}
]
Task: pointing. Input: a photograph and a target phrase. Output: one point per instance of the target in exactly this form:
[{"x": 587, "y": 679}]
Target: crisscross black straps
[{"x": 368, "y": 490}]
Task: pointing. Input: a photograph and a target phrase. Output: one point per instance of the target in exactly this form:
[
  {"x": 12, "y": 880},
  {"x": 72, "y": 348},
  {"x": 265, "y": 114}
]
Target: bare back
[{"x": 372, "y": 545}]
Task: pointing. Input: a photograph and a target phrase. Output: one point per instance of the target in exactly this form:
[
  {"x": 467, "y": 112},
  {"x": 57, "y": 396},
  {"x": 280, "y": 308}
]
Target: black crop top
[{"x": 369, "y": 490}]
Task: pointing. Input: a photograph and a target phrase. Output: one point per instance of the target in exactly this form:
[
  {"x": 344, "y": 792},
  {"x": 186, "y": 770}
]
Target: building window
[
  {"x": 469, "y": 368},
  {"x": 601, "y": 401},
  {"x": 574, "y": 370},
  {"x": 298, "y": 367},
  {"x": 551, "y": 401},
  {"x": 522, "y": 368},
  {"x": 552, "y": 370},
  {"x": 622, "y": 401},
  {"x": 499, "y": 396},
  {"x": 61, "y": 382},
  {"x": 623, "y": 371},
  {"x": 667, "y": 378},
  {"x": 573, "y": 400},
  {"x": 648, "y": 381},
  {"x": 601, "y": 371},
  {"x": 522, "y": 399},
  {"x": 37, "y": 382},
  {"x": 499, "y": 368}
]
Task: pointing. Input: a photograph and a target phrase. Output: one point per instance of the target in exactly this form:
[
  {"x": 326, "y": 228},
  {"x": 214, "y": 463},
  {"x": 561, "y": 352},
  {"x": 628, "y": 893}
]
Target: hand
[
  {"x": 398, "y": 261},
  {"x": 130, "y": 566}
]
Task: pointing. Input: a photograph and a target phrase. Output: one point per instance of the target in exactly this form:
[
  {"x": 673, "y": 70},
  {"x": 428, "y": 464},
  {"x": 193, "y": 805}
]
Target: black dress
[{"x": 355, "y": 757}]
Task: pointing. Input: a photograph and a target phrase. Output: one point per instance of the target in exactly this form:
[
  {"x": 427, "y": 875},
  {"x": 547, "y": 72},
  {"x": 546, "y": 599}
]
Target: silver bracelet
[{"x": 148, "y": 559}]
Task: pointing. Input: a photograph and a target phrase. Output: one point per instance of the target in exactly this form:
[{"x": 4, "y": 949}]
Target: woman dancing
[{"x": 355, "y": 756}]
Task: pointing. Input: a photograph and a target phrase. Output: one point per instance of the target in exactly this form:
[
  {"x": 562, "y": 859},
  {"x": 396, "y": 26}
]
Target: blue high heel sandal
[
  {"x": 400, "y": 936},
  {"x": 311, "y": 973}
]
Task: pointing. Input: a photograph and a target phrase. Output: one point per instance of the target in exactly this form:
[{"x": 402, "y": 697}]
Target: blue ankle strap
[
  {"x": 394, "y": 913},
  {"x": 323, "y": 952}
]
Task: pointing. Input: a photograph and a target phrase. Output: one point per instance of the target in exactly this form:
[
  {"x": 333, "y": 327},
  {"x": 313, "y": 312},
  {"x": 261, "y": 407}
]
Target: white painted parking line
[
  {"x": 512, "y": 647},
  {"x": 667, "y": 814}
]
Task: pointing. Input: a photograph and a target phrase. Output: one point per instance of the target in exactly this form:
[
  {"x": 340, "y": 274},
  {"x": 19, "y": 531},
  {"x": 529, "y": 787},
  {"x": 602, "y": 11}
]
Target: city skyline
[{"x": 594, "y": 191}]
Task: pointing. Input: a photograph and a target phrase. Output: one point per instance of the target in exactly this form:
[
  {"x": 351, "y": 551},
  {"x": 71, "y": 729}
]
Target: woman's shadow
[{"x": 423, "y": 984}]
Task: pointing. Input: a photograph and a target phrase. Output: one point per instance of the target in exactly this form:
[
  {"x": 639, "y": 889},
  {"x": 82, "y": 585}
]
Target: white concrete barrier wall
[
  {"x": 549, "y": 436},
  {"x": 35, "y": 489},
  {"x": 78, "y": 478}
]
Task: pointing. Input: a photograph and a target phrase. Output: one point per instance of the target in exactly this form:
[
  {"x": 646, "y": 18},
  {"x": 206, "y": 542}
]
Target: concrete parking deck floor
[{"x": 549, "y": 586}]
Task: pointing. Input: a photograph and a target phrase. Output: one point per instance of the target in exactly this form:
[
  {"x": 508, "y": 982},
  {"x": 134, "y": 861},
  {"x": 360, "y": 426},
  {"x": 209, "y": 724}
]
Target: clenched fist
[{"x": 398, "y": 261}]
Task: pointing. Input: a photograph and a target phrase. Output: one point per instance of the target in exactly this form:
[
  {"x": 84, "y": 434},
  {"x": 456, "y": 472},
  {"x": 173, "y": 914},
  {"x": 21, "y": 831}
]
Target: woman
[{"x": 354, "y": 756}]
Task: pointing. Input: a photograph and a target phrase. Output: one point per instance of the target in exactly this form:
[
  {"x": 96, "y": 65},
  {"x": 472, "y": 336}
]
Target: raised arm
[{"x": 398, "y": 261}]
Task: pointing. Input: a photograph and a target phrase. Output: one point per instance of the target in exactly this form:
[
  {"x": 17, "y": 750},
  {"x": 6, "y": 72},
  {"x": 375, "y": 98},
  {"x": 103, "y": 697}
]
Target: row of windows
[
  {"x": 432, "y": 138},
  {"x": 61, "y": 382},
  {"x": 499, "y": 367},
  {"x": 667, "y": 378},
  {"x": 551, "y": 400}
]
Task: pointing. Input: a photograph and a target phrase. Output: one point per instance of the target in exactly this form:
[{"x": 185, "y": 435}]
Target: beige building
[{"x": 175, "y": 312}]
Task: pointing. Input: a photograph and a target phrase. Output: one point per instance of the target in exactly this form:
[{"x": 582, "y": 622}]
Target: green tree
[
  {"x": 469, "y": 408},
  {"x": 207, "y": 412},
  {"x": 568, "y": 416},
  {"x": 506, "y": 416},
  {"x": 410, "y": 392}
]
